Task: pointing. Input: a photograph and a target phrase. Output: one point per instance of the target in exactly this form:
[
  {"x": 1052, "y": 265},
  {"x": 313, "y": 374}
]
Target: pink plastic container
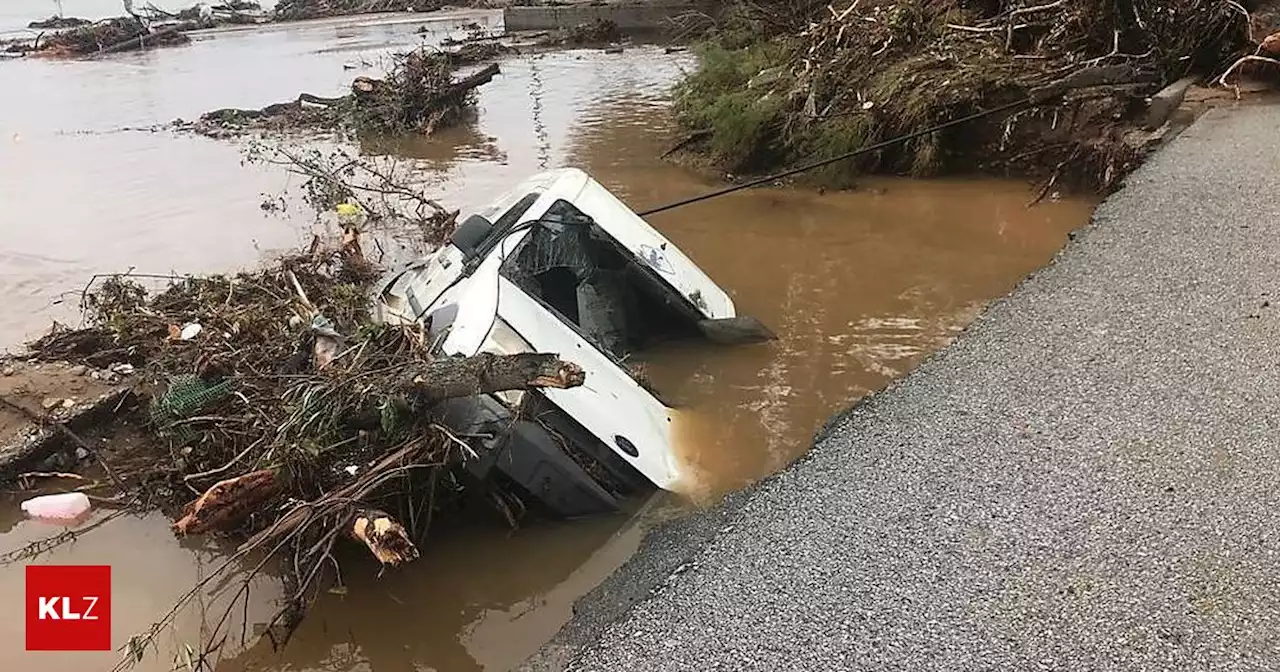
[{"x": 62, "y": 506}]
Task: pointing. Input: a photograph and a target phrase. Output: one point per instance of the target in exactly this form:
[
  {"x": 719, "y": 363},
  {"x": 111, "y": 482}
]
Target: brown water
[{"x": 859, "y": 286}]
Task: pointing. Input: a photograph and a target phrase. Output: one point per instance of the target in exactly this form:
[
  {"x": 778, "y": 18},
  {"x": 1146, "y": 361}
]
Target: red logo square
[{"x": 68, "y": 608}]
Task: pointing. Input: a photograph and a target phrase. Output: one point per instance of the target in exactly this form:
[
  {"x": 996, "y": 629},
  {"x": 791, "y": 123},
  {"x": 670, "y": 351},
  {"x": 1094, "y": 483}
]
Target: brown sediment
[{"x": 41, "y": 408}]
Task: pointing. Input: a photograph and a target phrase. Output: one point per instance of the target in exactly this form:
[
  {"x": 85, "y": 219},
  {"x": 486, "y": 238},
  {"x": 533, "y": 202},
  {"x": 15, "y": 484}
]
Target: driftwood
[
  {"x": 140, "y": 41},
  {"x": 1087, "y": 77},
  {"x": 302, "y": 514},
  {"x": 486, "y": 373},
  {"x": 228, "y": 502},
  {"x": 480, "y": 78},
  {"x": 691, "y": 138}
]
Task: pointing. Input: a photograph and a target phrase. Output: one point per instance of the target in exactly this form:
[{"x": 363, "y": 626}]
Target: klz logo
[{"x": 68, "y": 608}]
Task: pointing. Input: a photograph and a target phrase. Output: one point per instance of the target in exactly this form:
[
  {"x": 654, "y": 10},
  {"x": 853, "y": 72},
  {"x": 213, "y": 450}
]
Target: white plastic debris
[
  {"x": 122, "y": 369},
  {"x": 190, "y": 331},
  {"x": 62, "y": 506},
  {"x": 351, "y": 470}
]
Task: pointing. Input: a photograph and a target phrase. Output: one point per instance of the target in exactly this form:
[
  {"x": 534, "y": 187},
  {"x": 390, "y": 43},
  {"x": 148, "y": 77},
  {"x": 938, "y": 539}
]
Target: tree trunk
[
  {"x": 228, "y": 502},
  {"x": 486, "y": 373}
]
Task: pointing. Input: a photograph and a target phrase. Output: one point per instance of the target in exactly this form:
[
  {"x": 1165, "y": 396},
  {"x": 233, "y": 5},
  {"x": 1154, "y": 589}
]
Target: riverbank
[
  {"x": 779, "y": 86},
  {"x": 1081, "y": 480}
]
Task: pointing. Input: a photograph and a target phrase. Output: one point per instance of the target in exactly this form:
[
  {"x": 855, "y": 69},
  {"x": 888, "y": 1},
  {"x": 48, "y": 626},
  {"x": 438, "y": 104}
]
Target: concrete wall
[{"x": 630, "y": 16}]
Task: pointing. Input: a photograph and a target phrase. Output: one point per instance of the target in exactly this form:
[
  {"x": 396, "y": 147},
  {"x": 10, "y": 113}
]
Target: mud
[
  {"x": 858, "y": 286},
  {"x": 40, "y": 388}
]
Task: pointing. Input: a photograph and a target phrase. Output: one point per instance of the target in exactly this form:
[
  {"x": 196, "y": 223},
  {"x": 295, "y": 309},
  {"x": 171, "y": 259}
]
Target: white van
[{"x": 560, "y": 265}]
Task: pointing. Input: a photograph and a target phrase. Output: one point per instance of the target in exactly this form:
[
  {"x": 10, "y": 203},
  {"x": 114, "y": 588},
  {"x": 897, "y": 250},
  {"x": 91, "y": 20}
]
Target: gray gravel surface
[{"x": 1087, "y": 479}]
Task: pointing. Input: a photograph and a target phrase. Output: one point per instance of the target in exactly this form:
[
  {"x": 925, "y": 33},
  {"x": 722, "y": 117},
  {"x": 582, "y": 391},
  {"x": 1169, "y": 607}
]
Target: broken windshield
[{"x": 571, "y": 266}]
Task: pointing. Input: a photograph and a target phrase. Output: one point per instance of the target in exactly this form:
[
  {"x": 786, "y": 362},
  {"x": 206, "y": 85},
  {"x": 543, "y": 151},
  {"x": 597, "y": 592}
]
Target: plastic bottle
[{"x": 62, "y": 506}]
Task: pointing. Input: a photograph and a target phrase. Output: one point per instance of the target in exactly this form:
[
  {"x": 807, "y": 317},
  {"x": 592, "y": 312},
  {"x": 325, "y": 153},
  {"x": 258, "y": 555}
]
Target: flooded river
[{"x": 859, "y": 287}]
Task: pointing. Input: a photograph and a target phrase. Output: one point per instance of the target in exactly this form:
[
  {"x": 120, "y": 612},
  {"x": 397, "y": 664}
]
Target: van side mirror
[{"x": 469, "y": 235}]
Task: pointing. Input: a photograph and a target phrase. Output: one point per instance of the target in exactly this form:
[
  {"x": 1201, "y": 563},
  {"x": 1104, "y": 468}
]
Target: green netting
[{"x": 187, "y": 394}]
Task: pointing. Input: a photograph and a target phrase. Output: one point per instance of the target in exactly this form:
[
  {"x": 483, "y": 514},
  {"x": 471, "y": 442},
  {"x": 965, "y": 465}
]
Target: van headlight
[{"x": 503, "y": 340}]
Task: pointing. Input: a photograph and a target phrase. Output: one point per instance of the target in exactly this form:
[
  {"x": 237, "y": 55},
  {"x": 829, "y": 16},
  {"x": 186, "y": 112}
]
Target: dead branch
[
  {"x": 142, "y": 41},
  {"x": 1222, "y": 81}
]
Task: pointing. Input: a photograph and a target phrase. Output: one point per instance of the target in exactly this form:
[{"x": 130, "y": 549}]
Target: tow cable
[{"x": 1029, "y": 101}]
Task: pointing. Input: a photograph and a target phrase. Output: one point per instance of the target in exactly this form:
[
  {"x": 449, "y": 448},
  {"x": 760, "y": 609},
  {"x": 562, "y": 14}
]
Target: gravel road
[{"x": 1087, "y": 479}]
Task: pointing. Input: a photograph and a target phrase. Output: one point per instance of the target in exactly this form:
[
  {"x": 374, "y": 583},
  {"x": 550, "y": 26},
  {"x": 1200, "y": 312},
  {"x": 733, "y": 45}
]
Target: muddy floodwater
[{"x": 859, "y": 286}]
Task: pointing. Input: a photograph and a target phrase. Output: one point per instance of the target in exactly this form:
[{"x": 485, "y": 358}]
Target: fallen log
[
  {"x": 486, "y": 373},
  {"x": 465, "y": 85},
  {"x": 1087, "y": 77},
  {"x": 228, "y": 502},
  {"x": 373, "y": 104}
]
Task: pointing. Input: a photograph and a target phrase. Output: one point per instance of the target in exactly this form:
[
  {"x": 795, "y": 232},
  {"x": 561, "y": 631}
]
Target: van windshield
[{"x": 590, "y": 282}]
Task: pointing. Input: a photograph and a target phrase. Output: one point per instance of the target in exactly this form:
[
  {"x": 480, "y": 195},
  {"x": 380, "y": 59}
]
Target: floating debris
[{"x": 418, "y": 95}]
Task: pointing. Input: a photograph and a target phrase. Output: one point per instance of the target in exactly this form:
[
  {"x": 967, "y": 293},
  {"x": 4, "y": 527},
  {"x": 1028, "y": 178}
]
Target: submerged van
[{"x": 560, "y": 265}]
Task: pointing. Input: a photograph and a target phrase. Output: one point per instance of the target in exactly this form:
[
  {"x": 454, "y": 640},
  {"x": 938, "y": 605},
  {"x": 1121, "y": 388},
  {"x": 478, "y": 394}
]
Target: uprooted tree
[
  {"x": 418, "y": 95},
  {"x": 783, "y": 82}
]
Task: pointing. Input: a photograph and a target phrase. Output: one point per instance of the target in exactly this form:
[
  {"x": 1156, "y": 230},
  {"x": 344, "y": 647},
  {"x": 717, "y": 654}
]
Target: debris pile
[
  {"x": 107, "y": 36},
  {"x": 784, "y": 82},
  {"x": 202, "y": 15},
  {"x": 58, "y": 23},
  {"x": 299, "y": 10},
  {"x": 281, "y": 412},
  {"x": 595, "y": 33},
  {"x": 418, "y": 95}
]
